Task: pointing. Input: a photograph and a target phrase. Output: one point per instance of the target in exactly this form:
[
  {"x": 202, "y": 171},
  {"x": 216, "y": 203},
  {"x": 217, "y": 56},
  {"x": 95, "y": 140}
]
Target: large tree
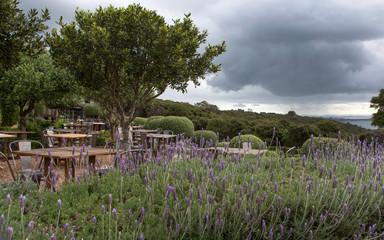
[
  {"x": 377, "y": 102},
  {"x": 36, "y": 80},
  {"x": 20, "y": 34},
  {"x": 128, "y": 56}
]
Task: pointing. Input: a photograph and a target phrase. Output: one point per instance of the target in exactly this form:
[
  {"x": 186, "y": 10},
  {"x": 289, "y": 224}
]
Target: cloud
[
  {"x": 239, "y": 105},
  {"x": 301, "y": 48}
]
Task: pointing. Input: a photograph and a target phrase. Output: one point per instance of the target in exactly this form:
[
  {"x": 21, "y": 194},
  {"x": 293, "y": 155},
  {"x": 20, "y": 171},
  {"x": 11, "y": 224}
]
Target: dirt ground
[{"x": 6, "y": 176}]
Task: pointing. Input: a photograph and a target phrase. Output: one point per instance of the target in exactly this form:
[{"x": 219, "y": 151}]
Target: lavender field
[{"x": 336, "y": 191}]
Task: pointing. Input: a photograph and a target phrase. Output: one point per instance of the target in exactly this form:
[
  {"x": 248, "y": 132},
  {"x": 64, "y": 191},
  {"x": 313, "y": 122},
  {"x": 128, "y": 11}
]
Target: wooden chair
[{"x": 26, "y": 161}]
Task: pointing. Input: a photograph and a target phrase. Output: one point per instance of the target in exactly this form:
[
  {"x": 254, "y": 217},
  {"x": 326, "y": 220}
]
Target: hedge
[
  {"x": 207, "y": 135},
  {"x": 256, "y": 142}
]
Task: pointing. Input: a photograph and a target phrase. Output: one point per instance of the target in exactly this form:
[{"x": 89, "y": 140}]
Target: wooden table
[
  {"x": 6, "y": 138},
  {"x": 67, "y": 154},
  {"x": 69, "y": 137},
  {"x": 98, "y": 126},
  {"x": 137, "y": 127},
  {"x": 18, "y": 133},
  {"x": 64, "y": 130},
  {"x": 80, "y": 127},
  {"x": 156, "y": 140}
]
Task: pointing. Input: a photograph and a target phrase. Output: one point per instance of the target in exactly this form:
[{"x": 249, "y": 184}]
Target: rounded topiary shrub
[
  {"x": 92, "y": 110},
  {"x": 148, "y": 124},
  {"x": 320, "y": 143},
  {"x": 237, "y": 142},
  {"x": 207, "y": 135},
  {"x": 140, "y": 121},
  {"x": 178, "y": 125}
]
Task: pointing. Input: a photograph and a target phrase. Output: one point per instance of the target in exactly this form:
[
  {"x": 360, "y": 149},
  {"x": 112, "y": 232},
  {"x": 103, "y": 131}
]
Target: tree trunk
[{"x": 23, "y": 126}]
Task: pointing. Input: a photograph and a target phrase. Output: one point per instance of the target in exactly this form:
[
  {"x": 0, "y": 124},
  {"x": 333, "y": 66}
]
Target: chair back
[
  {"x": 26, "y": 161},
  {"x": 50, "y": 142},
  {"x": 2, "y": 156}
]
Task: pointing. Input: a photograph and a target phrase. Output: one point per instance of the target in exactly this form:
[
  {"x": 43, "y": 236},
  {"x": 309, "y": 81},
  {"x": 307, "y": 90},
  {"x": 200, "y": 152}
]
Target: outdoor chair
[
  {"x": 49, "y": 141},
  {"x": 26, "y": 161}
]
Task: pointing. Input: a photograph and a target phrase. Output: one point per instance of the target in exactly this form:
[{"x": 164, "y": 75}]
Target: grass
[{"x": 330, "y": 195}]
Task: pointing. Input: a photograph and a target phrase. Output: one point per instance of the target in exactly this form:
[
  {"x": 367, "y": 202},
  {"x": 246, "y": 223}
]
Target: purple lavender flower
[
  {"x": 9, "y": 199},
  {"x": 53, "y": 237},
  {"x": 22, "y": 200},
  {"x": 2, "y": 220},
  {"x": 59, "y": 204},
  {"x": 110, "y": 199},
  {"x": 129, "y": 214},
  {"x": 102, "y": 209},
  {"x": 30, "y": 226},
  {"x": 279, "y": 202},
  {"x": 94, "y": 221},
  {"x": 66, "y": 228},
  {"x": 142, "y": 214},
  {"x": 9, "y": 233},
  {"x": 115, "y": 217}
]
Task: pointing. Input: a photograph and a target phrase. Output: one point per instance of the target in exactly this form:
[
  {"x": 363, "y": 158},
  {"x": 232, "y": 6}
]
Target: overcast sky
[{"x": 313, "y": 57}]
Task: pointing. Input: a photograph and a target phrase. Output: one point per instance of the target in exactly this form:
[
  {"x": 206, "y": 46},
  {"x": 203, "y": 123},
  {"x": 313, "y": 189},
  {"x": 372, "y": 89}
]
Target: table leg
[
  {"x": 47, "y": 161},
  {"x": 92, "y": 160},
  {"x": 60, "y": 142},
  {"x": 6, "y": 146},
  {"x": 80, "y": 142},
  {"x": 66, "y": 170}
]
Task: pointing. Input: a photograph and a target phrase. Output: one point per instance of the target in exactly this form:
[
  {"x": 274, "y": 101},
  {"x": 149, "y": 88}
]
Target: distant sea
[{"x": 364, "y": 122}]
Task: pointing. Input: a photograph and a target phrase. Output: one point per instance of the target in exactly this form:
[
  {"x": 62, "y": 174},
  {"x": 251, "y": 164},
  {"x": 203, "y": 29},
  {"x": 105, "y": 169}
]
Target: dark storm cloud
[{"x": 300, "y": 48}]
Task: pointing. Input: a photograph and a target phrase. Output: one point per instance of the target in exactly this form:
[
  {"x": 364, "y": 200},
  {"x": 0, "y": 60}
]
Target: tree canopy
[
  {"x": 377, "y": 103},
  {"x": 19, "y": 33},
  {"x": 127, "y": 56},
  {"x": 36, "y": 80}
]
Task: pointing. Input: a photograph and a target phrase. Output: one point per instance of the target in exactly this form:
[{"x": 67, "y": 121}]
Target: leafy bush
[
  {"x": 140, "y": 121},
  {"x": 148, "y": 124},
  {"x": 320, "y": 143},
  {"x": 103, "y": 137},
  {"x": 92, "y": 110},
  {"x": 256, "y": 142},
  {"x": 178, "y": 125},
  {"x": 207, "y": 135}
]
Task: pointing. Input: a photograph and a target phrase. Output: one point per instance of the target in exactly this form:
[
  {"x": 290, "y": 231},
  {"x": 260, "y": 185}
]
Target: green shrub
[
  {"x": 320, "y": 143},
  {"x": 256, "y": 142},
  {"x": 103, "y": 137},
  {"x": 150, "y": 119},
  {"x": 178, "y": 125},
  {"x": 206, "y": 134},
  {"x": 140, "y": 121},
  {"x": 92, "y": 110}
]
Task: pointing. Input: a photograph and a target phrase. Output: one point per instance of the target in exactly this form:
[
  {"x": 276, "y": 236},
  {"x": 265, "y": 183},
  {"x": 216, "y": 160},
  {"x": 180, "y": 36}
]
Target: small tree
[
  {"x": 20, "y": 34},
  {"x": 126, "y": 57},
  {"x": 33, "y": 81},
  {"x": 377, "y": 103}
]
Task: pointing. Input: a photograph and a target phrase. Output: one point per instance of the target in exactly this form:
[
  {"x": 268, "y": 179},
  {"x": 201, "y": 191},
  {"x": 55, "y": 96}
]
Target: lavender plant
[{"x": 336, "y": 192}]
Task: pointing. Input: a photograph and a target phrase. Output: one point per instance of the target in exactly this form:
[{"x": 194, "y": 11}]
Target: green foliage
[
  {"x": 60, "y": 123},
  {"x": 328, "y": 128},
  {"x": 125, "y": 57},
  {"x": 33, "y": 81},
  {"x": 178, "y": 125},
  {"x": 92, "y": 110},
  {"x": 103, "y": 137},
  {"x": 237, "y": 142},
  {"x": 297, "y": 134},
  {"x": 207, "y": 135},
  {"x": 20, "y": 33},
  {"x": 140, "y": 121},
  {"x": 314, "y": 144},
  {"x": 149, "y": 124},
  {"x": 377, "y": 103}
]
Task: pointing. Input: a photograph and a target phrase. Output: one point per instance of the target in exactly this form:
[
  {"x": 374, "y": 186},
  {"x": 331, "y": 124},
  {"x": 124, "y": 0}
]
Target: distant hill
[{"x": 290, "y": 128}]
